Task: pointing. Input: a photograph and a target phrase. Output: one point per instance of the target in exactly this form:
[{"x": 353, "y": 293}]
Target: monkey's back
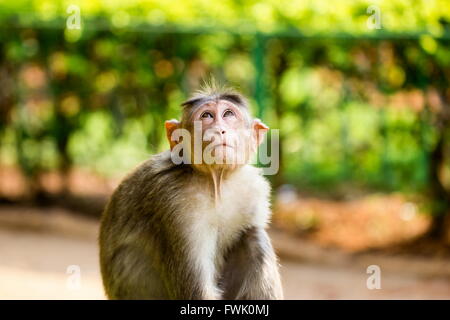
[{"x": 133, "y": 232}]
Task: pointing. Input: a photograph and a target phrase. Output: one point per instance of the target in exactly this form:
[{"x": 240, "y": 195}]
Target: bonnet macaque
[{"x": 189, "y": 223}]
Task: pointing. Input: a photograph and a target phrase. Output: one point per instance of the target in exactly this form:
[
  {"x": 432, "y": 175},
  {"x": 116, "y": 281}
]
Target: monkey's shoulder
[
  {"x": 156, "y": 178},
  {"x": 157, "y": 167}
]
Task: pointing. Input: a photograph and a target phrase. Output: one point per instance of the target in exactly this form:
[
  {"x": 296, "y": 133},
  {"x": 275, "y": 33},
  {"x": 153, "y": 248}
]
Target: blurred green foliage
[{"x": 354, "y": 105}]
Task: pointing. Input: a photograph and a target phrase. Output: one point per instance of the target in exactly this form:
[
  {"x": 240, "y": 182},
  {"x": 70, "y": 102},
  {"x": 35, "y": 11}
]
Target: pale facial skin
[
  {"x": 227, "y": 135},
  {"x": 224, "y": 130}
]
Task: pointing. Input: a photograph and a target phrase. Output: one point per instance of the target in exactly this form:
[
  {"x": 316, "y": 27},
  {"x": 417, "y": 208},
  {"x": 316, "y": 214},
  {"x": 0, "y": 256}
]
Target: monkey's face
[
  {"x": 222, "y": 127},
  {"x": 222, "y": 135},
  {"x": 225, "y": 133}
]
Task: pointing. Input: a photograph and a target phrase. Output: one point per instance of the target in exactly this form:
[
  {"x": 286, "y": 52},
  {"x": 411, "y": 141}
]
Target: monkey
[{"x": 194, "y": 229}]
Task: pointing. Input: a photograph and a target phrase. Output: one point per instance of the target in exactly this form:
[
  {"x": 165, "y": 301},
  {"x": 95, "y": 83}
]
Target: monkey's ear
[
  {"x": 171, "y": 125},
  {"x": 259, "y": 130}
]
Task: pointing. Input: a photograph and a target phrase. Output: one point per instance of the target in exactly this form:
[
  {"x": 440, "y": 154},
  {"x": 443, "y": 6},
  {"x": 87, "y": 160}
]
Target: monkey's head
[{"x": 216, "y": 130}]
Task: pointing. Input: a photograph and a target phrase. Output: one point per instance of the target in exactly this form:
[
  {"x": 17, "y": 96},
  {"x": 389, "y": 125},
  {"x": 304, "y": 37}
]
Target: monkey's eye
[
  {"x": 228, "y": 113},
  {"x": 207, "y": 114}
]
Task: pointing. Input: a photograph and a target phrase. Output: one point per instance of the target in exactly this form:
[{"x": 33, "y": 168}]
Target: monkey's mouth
[{"x": 223, "y": 145}]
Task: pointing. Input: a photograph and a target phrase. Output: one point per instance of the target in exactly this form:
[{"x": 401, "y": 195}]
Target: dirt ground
[{"x": 37, "y": 248}]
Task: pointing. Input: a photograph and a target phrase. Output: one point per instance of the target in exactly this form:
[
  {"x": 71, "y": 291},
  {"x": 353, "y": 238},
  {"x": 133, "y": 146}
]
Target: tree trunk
[
  {"x": 439, "y": 197},
  {"x": 278, "y": 70}
]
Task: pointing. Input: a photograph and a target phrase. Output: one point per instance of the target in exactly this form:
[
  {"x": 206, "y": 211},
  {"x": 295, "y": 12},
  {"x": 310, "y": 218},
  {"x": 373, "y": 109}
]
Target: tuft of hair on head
[{"x": 212, "y": 90}]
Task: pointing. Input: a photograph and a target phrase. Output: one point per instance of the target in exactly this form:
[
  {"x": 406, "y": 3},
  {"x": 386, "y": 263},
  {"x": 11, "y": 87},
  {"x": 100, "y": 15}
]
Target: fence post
[{"x": 259, "y": 81}]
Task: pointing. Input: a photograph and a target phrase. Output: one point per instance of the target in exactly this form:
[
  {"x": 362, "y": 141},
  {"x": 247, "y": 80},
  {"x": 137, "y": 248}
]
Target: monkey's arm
[
  {"x": 160, "y": 270},
  {"x": 189, "y": 280},
  {"x": 186, "y": 265},
  {"x": 251, "y": 269}
]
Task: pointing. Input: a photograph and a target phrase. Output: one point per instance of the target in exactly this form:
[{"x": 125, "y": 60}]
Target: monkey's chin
[
  {"x": 222, "y": 159},
  {"x": 220, "y": 168},
  {"x": 219, "y": 163}
]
